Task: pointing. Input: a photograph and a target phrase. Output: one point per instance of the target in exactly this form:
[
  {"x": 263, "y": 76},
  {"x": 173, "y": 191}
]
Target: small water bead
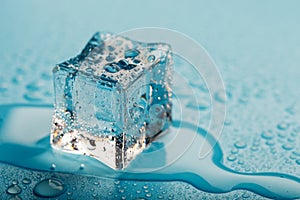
[
  {"x": 287, "y": 147},
  {"x": 16, "y": 197},
  {"x": 32, "y": 96},
  {"x": 222, "y": 96},
  {"x": 234, "y": 151},
  {"x": 112, "y": 68},
  {"x": 148, "y": 195},
  {"x": 231, "y": 158},
  {"x": 49, "y": 188},
  {"x": 240, "y": 145},
  {"x": 151, "y": 58},
  {"x": 110, "y": 58},
  {"x": 282, "y": 126},
  {"x": 26, "y": 181},
  {"x": 268, "y": 135},
  {"x": 14, "y": 189},
  {"x": 131, "y": 53},
  {"x": 296, "y": 153},
  {"x": 254, "y": 148},
  {"x": 3, "y": 87},
  {"x": 82, "y": 166},
  {"x": 34, "y": 86},
  {"x": 270, "y": 143},
  {"x": 53, "y": 166},
  {"x": 281, "y": 134}
]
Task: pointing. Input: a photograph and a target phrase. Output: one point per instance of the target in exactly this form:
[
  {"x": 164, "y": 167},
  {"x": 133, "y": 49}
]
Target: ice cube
[{"x": 112, "y": 99}]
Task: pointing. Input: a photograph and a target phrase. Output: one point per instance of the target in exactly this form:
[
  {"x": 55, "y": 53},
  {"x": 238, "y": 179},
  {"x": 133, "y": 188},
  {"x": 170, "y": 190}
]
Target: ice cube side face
[{"x": 112, "y": 99}]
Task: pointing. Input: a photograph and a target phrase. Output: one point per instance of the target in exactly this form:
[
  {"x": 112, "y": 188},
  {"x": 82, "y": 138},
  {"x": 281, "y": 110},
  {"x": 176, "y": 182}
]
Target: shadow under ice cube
[{"x": 112, "y": 99}]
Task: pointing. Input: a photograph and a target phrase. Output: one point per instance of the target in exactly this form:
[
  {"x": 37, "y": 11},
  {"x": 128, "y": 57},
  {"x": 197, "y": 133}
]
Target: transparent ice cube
[{"x": 112, "y": 99}]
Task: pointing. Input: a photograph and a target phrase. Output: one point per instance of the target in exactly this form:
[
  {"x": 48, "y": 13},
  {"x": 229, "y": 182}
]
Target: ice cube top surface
[
  {"x": 116, "y": 60},
  {"x": 112, "y": 99}
]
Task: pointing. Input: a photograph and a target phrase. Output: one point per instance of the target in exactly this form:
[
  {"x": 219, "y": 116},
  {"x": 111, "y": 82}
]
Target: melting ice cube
[{"x": 112, "y": 99}]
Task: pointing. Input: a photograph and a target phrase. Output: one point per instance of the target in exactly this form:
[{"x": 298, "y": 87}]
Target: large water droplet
[
  {"x": 14, "y": 189},
  {"x": 49, "y": 188}
]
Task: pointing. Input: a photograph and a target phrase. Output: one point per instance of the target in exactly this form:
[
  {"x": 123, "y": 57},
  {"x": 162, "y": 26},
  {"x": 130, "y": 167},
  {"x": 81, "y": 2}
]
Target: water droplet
[
  {"x": 49, "y": 188},
  {"x": 240, "y": 145},
  {"x": 14, "y": 189},
  {"x": 34, "y": 86},
  {"x": 110, "y": 58},
  {"x": 254, "y": 148},
  {"x": 131, "y": 53},
  {"x": 220, "y": 96},
  {"x": 287, "y": 147},
  {"x": 112, "y": 68},
  {"x": 282, "y": 126},
  {"x": 3, "y": 87},
  {"x": 26, "y": 181},
  {"x": 16, "y": 197},
  {"x": 32, "y": 96},
  {"x": 53, "y": 166},
  {"x": 270, "y": 143},
  {"x": 231, "y": 158},
  {"x": 81, "y": 166},
  {"x": 148, "y": 195},
  {"x": 201, "y": 105},
  {"x": 151, "y": 58},
  {"x": 267, "y": 135}
]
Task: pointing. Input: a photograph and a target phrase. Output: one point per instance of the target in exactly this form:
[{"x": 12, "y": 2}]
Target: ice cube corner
[{"x": 112, "y": 99}]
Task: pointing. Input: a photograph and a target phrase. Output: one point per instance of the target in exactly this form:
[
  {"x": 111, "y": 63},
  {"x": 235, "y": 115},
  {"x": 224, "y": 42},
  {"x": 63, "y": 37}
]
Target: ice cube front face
[{"x": 112, "y": 99}]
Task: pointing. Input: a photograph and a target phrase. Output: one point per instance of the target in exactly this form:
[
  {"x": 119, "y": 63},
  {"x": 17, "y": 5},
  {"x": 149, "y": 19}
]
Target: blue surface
[{"x": 255, "y": 45}]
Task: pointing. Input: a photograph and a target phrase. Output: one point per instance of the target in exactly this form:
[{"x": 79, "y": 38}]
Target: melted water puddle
[{"x": 25, "y": 139}]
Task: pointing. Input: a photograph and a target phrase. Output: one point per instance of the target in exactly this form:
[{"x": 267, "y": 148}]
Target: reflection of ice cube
[{"x": 112, "y": 99}]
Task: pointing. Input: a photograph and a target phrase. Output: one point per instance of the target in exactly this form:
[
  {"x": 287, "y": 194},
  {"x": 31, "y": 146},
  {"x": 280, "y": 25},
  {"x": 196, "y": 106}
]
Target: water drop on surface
[
  {"x": 112, "y": 68},
  {"x": 26, "y": 181},
  {"x": 53, "y": 166},
  {"x": 32, "y": 96},
  {"x": 81, "y": 166},
  {"x": 49, "y": 188},
  {"x": 16, "y": 197},
  {"x": 282, "y": 126},
  {"x": 231, "y": 158},
  {"x": 240, "y": 145},
  {"x": 267, "y": 135},
  {"x": 14, "y": 189},
  {"x": 151, "y": 58},
  {"x": 221, "y": 96},
  {"x": 131, "y": 53},
  {"x": 287, "y": 147}
]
